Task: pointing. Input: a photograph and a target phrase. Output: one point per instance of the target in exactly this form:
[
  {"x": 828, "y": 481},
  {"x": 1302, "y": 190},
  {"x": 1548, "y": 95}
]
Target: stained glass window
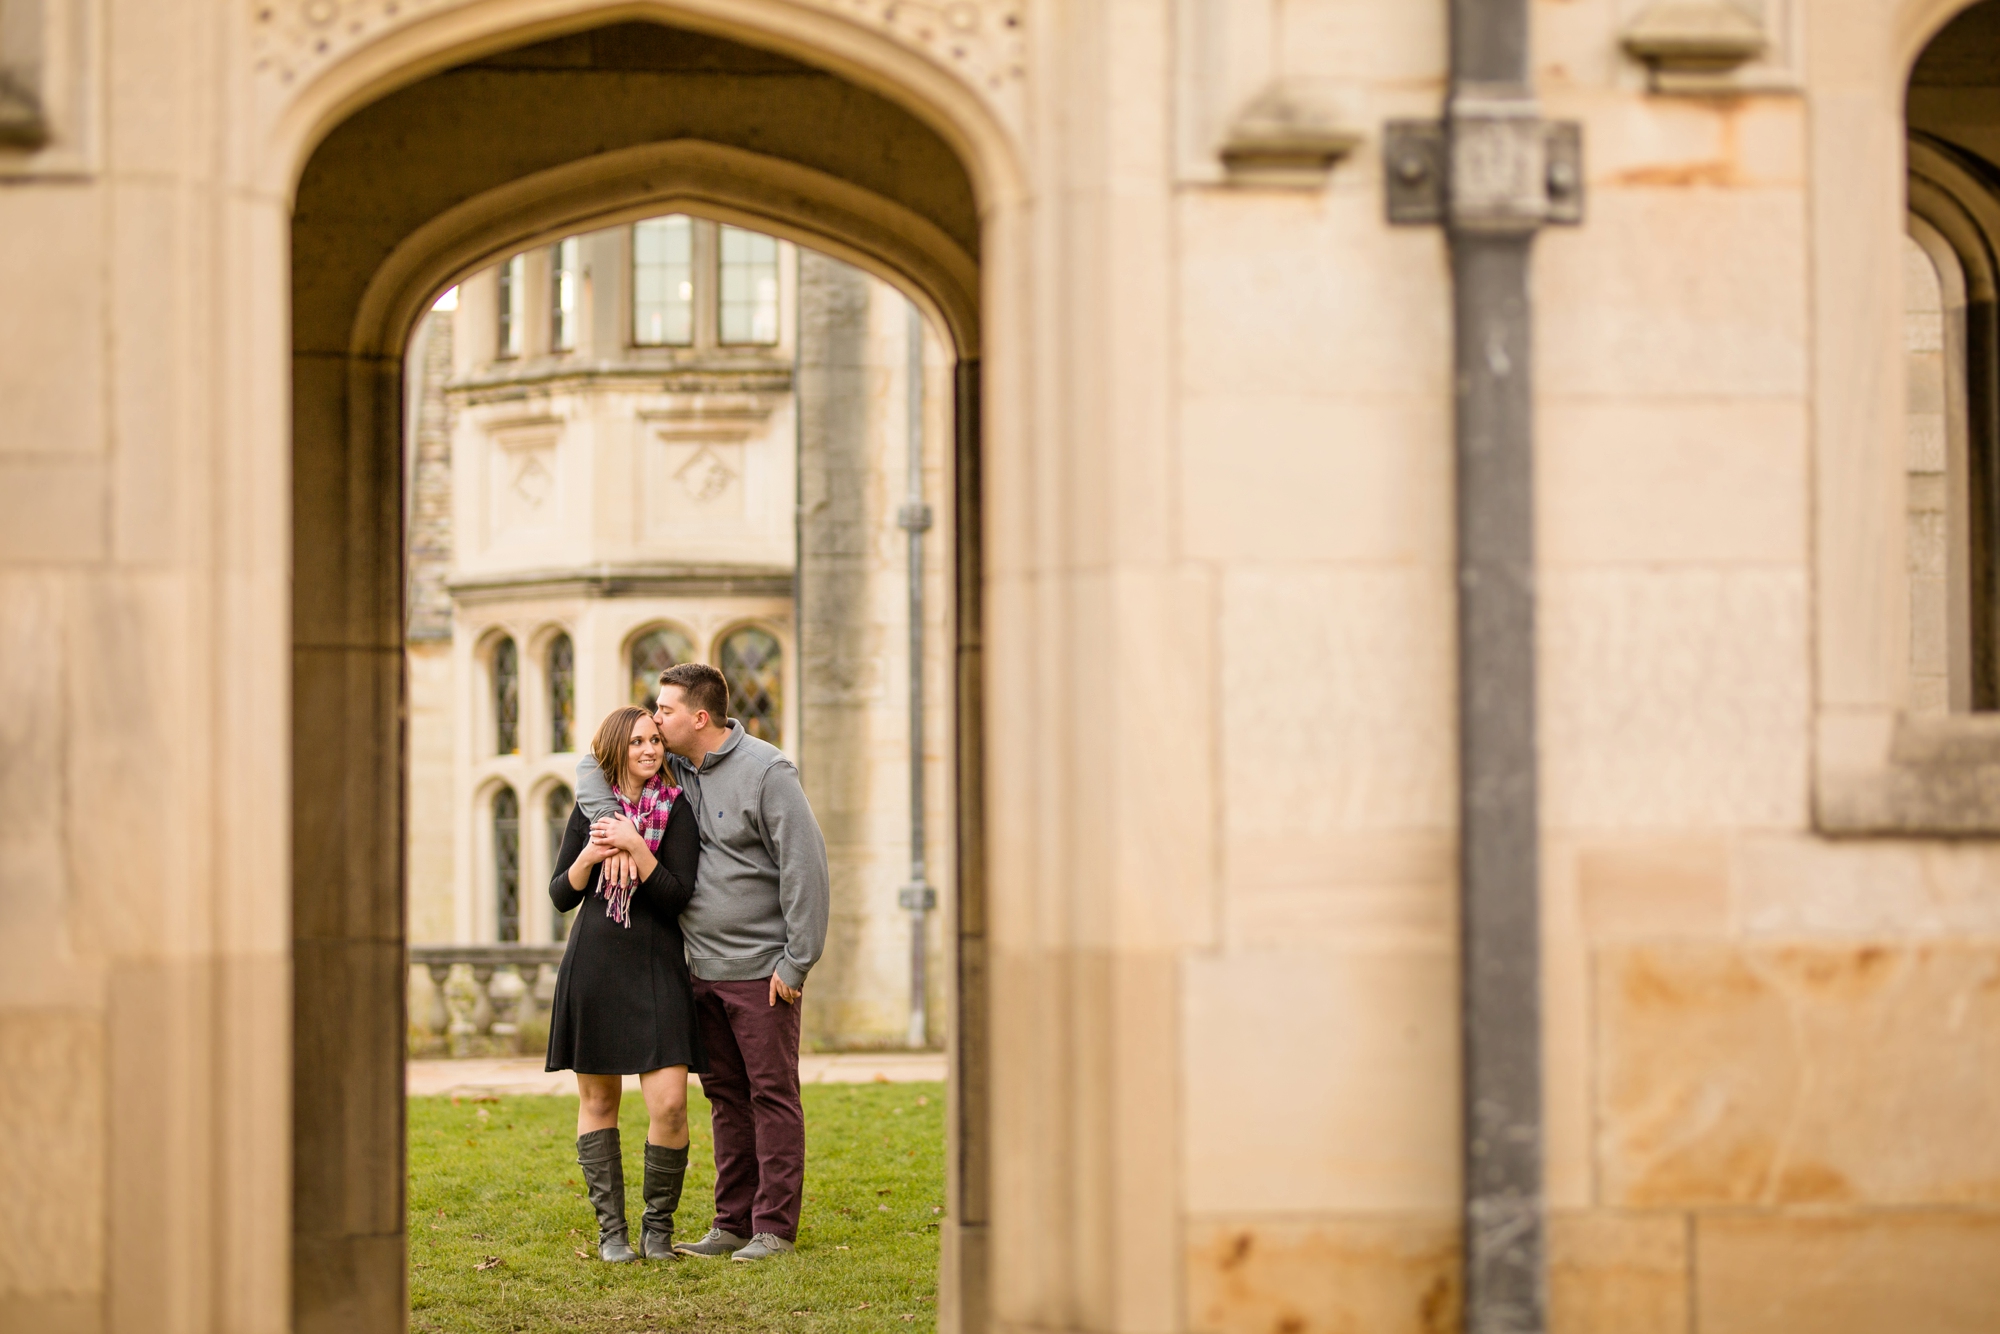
[
  {"x": 562, "y": 695},
  {"x": 507, "y": 864},
  {"x": 506, "y": 699},
  {"x": 755, "y": 666},
  {"x": 749, "y": 287},
  {"x": 565, "y": 286},
  {"x": 557, "y": 808},
  {"x": 663, "y": 281},
  {"x": 652, "y": 653},
  {"x": 513, "y": 296}
]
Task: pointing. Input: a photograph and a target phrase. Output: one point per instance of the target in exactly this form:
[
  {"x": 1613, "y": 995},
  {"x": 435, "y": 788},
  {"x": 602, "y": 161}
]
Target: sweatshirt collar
[{"x": 735, "y": 735}]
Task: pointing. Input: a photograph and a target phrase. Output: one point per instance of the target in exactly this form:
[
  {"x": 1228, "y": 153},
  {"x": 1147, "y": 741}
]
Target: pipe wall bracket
[{"x": 1498, "y": 170}]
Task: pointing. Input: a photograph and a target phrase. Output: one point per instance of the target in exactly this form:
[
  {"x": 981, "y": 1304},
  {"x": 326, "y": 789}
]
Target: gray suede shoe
[
  {"x": 716, "y": 1243},
  {"x": 763, "y": 1246}
]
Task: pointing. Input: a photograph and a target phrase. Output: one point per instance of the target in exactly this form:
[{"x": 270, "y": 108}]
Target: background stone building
[
  {"x": 1210, "y": 792},
  {"x": 652, "y": 444}
]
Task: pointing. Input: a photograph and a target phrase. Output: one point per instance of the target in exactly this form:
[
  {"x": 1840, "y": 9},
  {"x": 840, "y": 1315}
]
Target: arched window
[
  {"x": 1951, "y": 345},
  {"x": 507, "y": 864},
  {"x": 755, "y": 666},
  {"x": 557, "y": 808},
  {"x": 652, "y": 653},
  {"x": 562, "y": 695},
  {"x": 1937, "y": 530},
  {"x": 506, "y": 698}
]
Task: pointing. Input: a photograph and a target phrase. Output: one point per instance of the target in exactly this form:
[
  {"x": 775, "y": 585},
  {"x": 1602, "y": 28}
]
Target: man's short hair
[{"x": 707, "y": 690}]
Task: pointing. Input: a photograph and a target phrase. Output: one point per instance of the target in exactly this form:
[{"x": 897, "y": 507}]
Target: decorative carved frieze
[{"x": 978, "y": 41}]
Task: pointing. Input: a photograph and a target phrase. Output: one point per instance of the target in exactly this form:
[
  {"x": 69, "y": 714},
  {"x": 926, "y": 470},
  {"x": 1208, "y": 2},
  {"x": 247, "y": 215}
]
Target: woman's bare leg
[
  {"x": 666, "y": 1091},
  {"x": 597, "y": 1101}
]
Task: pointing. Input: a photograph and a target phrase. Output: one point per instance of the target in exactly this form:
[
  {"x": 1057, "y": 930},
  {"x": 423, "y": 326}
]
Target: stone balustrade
[{"x": 481, "y": 1000}]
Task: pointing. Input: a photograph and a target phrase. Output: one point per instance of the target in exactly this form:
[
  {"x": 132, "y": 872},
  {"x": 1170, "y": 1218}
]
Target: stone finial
[
  {"x": 1692, "y": 45},
  {"x": 1285, "y": 138}
]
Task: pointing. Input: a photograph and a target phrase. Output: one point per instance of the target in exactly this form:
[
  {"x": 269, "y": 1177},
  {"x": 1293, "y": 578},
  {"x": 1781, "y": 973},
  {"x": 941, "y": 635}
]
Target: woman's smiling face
[{"x": 645, "y": 752}]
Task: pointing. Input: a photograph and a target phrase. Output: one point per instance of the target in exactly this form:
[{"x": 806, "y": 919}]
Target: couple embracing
[{"x": 703, "y": 883}]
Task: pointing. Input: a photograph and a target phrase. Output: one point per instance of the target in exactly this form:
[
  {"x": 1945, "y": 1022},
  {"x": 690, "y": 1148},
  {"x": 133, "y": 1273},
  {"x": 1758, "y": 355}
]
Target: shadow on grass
[{"x": 494, "y": 1183}]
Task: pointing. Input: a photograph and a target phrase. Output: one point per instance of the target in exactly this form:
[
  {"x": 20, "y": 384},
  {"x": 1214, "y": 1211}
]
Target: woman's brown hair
[{"x": 612, "y": 744}]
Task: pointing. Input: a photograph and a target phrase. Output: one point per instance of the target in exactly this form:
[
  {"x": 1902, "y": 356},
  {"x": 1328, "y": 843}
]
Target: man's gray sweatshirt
[{"x": 761, "y": 895}]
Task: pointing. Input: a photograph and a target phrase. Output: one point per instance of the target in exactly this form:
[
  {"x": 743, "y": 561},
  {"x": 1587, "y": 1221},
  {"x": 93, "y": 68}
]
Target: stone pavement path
[{"x": 524, "y": 1074}]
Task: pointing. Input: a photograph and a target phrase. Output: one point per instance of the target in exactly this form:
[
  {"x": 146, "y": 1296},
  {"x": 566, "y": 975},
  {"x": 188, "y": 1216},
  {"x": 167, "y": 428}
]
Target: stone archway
[{"x": 400, "y": 195}]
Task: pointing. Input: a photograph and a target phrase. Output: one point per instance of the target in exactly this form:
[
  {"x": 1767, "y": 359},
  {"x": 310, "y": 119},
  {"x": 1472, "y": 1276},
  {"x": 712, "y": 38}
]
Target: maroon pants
[{"x": 752, "y": 1084}]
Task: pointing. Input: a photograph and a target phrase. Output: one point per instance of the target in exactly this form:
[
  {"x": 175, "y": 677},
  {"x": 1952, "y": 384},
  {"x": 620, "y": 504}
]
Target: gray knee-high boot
[
  {"x": 665, "y": 1170},
  {"x": 604, "y": 1174}
]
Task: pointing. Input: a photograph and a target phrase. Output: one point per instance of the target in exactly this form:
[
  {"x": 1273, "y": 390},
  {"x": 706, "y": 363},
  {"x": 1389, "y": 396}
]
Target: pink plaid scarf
[{"x": 649, "y": 816}]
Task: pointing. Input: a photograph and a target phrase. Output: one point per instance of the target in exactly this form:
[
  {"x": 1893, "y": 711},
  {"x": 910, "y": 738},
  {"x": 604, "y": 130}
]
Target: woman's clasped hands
[{"x": 617, "y": 841}]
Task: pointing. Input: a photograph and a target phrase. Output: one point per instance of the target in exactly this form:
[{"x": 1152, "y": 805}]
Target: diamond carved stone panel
[
  {"x": 696, "y": 485},
  {"x": 524, "y": 473},
  {"x": 706, "y": 477}
]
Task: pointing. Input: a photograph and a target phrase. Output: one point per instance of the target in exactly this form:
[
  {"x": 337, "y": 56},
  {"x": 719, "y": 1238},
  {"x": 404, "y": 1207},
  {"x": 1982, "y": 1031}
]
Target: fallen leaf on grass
[
  {"x": 490, "y": 1262},
  {"x": 885, "y": 1190},
  {"x": 864, "y": 1306},
  {"x": 582, "y": 1254},
  {"x": 922, "y": 1101},
  {"x": 842, "y": 1248},
  {"x": 906, "y": 1317},
  {"x": 882, "y": 1208}
]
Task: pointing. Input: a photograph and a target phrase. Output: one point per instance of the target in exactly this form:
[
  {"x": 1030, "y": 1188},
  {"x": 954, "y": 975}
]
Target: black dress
[{"x": 623, "y": 1001}]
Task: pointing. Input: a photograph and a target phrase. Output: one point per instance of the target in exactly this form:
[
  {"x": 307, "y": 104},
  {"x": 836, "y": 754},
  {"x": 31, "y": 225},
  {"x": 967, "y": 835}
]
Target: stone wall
[
  {"x": 853, "y": 629},
  {"x": 1209, "y": 1077},
  {"x": 430, "y": 553}
]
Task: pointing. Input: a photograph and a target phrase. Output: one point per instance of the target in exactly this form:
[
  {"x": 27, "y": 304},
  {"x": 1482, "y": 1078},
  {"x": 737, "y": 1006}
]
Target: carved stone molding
[
  {"x": 22, "y": 124},
  {"x": 1284, "y": 137},
  {"x": 1693, "y": 45},
  {"x": 1942, "y": 776},
  {"x": 978, "y": 41},
  {"x": 50, "y": 124}
]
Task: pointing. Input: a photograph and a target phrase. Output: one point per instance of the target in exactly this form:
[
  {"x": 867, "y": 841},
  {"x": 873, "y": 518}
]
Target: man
[{"x": 754, "y": 929}]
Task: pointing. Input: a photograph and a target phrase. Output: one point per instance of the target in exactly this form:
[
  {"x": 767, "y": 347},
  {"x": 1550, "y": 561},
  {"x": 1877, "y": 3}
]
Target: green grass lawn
[{"x": 494, "y": 1183}]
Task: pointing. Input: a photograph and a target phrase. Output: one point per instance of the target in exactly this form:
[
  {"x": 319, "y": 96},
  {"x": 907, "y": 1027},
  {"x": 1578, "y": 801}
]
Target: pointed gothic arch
[{"x": 370, "y": 247}]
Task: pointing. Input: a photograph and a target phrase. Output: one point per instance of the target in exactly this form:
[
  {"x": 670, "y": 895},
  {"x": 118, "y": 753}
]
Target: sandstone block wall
[{"x": 1214, "y": 1078}]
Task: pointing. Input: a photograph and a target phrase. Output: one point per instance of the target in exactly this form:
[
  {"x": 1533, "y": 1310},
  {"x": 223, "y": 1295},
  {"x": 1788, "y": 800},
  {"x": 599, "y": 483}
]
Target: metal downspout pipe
[
  {"x": 1493, "y": 173},
  {"x": 1491, "y": 95},
  {"x": 915, "y": 519}
]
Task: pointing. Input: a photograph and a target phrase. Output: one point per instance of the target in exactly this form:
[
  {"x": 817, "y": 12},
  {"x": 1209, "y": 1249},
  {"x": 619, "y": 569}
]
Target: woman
[{"x": 623, "y": 1003}]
